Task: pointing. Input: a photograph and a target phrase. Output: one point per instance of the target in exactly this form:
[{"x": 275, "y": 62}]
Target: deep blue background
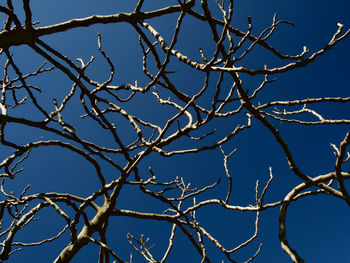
[{"x": 318, "y": 227}]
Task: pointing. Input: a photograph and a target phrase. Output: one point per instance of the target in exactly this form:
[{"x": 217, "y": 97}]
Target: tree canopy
[{"x": 156, "y": 132}]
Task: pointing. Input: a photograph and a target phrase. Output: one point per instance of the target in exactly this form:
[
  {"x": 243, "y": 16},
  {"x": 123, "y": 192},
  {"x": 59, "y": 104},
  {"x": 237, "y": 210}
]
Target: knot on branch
[{"x": 16, "y": 37}]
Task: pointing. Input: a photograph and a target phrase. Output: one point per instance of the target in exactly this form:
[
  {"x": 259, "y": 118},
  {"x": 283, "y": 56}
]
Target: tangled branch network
[{"x": 189, "y": 119}]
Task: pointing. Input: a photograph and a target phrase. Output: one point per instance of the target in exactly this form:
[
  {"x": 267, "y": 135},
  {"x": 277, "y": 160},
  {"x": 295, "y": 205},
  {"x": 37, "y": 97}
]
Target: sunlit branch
[{"x": 119, "y": 130}]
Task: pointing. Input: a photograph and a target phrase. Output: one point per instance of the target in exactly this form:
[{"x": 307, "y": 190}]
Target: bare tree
[{"x": 194, "y": 119}]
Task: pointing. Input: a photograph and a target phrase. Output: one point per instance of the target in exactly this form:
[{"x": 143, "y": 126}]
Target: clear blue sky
[{"x": 317, "y": 226}]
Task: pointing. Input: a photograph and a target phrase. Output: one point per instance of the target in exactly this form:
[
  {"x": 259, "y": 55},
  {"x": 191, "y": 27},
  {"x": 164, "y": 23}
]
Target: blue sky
[{"x": 317, "y": 226}]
